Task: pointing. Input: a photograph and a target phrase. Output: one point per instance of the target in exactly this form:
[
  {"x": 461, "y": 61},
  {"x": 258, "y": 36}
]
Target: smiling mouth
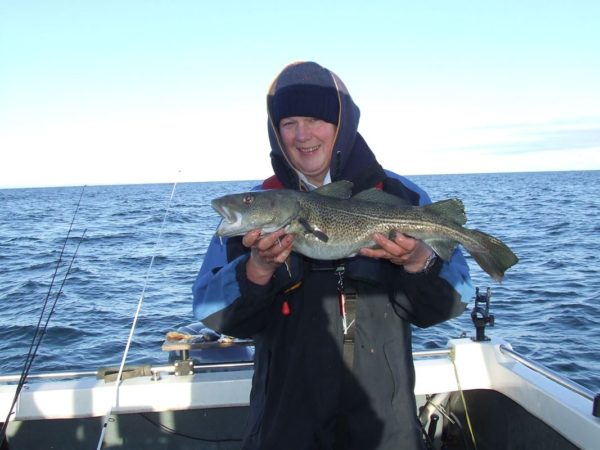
[{"x": 308, "y": 150}]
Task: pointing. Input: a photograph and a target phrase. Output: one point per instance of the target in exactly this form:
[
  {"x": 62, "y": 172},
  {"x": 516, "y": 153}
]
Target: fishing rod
[
  {"x": 119, "y": 377},
  {"x": 60, "y": 256},
  {"x": 40, "y": 331},
  {"x": 38, "y": 336},
  {"x": 52, "y": 309}
]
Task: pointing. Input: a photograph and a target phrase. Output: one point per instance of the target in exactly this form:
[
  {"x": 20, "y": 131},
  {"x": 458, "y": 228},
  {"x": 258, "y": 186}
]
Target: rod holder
[{"x": 480, "y": 315}]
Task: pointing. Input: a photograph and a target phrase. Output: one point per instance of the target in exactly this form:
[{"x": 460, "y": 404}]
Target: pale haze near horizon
[{"x": 142, "y": 92}]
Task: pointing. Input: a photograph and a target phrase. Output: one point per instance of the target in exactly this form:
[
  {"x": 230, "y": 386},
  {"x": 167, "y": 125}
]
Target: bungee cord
[
  {"x": 40, "y": 331},
  {"x": 462, "y": 396},
  {"x": 109, "y": 415}
]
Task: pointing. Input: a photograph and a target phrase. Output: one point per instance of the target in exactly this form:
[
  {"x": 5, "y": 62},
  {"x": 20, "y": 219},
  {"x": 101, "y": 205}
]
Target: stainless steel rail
[
  {"x": 236, "y": 365},
  {"x": 564, "y": 382},
  {"x": 154, "y": 369},
  {"x": 206, "y": 366},
  {"x": 170, "y": 368},
  {"x": 431, "y": 353},
  {"x": 571, "y": 385}
]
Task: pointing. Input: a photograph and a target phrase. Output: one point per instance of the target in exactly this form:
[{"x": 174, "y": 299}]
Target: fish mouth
[
  {"x": 223, "y": 211},
  {"x": 231, "y": 219}
]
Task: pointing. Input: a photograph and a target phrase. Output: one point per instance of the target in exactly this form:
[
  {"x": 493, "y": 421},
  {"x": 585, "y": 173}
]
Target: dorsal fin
[
  {"x": 338, "y": 189},
  {"x": 452, "y": 210},
  {"x": 378, "y": 196}
]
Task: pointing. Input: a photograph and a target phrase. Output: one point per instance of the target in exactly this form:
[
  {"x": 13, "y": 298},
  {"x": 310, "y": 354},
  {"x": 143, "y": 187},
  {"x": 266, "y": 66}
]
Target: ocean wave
[{"x": 546, "y": 306}]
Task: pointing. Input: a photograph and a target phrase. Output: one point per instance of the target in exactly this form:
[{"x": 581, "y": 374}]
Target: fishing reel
[{"x": 480, "y": 315}]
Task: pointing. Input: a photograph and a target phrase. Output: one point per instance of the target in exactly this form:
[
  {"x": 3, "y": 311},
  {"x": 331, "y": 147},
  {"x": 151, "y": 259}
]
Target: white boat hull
[{"x": 185, "y": 403}]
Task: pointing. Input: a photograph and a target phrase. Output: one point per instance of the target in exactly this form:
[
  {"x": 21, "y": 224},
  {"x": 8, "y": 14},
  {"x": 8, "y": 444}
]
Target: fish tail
[{"x": 492, "y": 255}]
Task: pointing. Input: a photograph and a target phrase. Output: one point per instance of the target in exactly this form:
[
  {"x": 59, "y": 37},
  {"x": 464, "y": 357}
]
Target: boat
[{"x": 476, "y": 393}]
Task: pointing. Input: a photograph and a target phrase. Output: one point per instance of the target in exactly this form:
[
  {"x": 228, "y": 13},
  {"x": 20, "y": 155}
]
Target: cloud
[{"x": 535, "y": 137}]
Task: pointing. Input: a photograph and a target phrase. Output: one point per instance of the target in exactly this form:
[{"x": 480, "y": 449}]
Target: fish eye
[{"x": 248, "y": 199}]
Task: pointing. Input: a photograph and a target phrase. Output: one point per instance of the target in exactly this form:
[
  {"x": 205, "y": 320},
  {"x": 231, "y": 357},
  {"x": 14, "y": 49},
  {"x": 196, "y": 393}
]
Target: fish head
[{"x": 265, "y": 210}]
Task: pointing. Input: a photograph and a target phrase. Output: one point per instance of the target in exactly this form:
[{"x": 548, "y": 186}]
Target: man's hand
[
  {"x": 403, "y": 250},
  {"x": 267, "y": 253}
]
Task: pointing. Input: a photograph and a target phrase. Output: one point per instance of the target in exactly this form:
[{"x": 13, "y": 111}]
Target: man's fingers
[
  {"x": 250, "y": 238},
  {"x": 261, "y": 241},
  {"x": 269, "y": 240},
  {"x": 397, "y": 250}
]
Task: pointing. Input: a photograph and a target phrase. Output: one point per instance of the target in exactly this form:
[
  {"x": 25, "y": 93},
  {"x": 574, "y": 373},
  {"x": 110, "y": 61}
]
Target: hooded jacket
[
  {"x": 305, "y": 394},
  {"x": 352, "y": 159}
]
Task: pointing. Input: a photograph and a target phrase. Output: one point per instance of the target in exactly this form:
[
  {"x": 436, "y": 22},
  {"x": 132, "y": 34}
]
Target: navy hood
[{"x": 352, "y": 159}]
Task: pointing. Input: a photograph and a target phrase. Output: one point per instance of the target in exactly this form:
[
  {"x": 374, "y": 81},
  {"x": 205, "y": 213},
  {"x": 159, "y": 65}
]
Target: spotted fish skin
[{"x": 329, "y": 224}]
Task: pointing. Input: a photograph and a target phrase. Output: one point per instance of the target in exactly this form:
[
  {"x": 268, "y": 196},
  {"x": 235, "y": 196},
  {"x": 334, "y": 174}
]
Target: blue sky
[{"x": 104, "y": 92}]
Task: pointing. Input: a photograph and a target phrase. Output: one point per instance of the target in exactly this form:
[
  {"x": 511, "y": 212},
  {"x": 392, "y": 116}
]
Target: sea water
[{"x": 547, "y": 306}]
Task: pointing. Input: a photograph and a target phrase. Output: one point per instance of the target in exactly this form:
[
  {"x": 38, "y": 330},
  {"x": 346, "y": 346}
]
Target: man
[{"x": 326, "y": 380}]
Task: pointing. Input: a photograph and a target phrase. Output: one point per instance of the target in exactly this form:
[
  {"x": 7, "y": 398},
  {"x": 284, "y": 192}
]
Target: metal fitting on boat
[
  {"x": 109, "y": 374},
  {"x": 184, "y": 367}
]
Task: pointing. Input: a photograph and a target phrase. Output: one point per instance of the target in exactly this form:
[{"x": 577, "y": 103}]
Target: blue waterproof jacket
[{"x": 305, "y": 393}]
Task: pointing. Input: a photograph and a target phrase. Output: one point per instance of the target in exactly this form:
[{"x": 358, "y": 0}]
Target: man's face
[{"x": 308, "y": 143}]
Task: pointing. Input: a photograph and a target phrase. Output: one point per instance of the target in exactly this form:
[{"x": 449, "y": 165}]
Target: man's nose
[{"x": 303, "y": 132}]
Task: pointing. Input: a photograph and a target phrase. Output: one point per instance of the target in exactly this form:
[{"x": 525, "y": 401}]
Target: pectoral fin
[{"x": 312, "y": 230}]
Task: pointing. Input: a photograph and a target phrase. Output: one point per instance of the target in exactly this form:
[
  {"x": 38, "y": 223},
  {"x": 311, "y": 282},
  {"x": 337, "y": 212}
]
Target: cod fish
[{"x": 329, "y": 224}]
